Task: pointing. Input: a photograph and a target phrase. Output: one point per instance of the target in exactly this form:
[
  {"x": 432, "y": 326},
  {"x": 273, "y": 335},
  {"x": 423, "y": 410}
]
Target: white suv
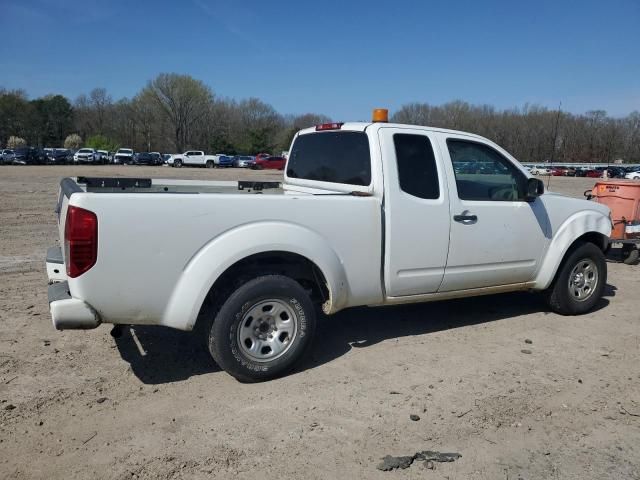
[{"x": 85, "y": 155}]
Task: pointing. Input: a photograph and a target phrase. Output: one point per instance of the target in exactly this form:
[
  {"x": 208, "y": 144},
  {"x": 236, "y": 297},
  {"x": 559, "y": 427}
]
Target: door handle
[{"x": 465, "y": 218}]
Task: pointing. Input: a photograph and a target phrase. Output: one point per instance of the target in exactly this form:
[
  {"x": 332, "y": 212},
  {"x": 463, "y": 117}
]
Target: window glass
[
  {"x": 484, "y": 174},
  {"x": 417, "y": 171},
  {"x": 336, "y": 157}
]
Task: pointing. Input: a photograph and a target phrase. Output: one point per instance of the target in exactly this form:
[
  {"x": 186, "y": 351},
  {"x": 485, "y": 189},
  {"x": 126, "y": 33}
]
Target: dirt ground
[{"x": 152, "y": 404}]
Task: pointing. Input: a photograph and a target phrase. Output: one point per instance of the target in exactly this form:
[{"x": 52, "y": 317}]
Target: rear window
[
  {"x": 416, "y": 166},
  {"x": 336, "y": 157}
]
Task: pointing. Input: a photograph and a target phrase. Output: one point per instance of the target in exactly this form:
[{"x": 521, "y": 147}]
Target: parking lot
[{"x": 519, "y": 392}]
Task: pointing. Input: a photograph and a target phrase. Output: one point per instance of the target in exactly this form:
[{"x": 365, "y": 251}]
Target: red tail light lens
[{"x": 80, "y": 240}]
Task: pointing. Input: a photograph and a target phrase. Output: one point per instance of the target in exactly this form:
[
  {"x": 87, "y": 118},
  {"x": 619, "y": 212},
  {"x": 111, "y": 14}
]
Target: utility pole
[{"x": 555, "y": 140}]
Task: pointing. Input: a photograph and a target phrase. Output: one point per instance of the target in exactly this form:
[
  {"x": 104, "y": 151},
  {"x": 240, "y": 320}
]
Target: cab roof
[{"x": 363, "y": 126}]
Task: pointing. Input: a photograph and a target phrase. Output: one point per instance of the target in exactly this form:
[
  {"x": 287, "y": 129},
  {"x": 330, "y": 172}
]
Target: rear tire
[
  {"x": 263, "y": 328},
  {"x": 177, "y": 163},
  {"x": 210, "y": 164},
  {"x": 579, "y": 282}
]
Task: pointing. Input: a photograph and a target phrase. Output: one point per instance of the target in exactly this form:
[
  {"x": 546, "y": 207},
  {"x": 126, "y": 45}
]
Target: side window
[
  {"x": 484, "y": 174},
  {"x": 417, "y": 171}
]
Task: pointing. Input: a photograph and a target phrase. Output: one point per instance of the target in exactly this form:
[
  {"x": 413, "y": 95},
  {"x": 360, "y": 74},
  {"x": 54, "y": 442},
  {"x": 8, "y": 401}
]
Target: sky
[{"x": 338, "y": 58}]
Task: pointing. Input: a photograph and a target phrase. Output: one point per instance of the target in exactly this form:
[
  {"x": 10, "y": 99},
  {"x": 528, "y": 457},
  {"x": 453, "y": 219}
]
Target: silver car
[{"x": 244, "y": 161}]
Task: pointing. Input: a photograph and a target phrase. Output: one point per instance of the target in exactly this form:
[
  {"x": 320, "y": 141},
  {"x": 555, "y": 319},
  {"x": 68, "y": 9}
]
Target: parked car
[
  {"x": 103, "y": 156},
  {"x": 142, "y": 158},
  {"x": 635, "y": 175},
  {"x": 194, "y": 158},
  {"x": 157, "y": 158},
  {"x": 593, "y": 173},
  {"x": 123, "y": 156},
  {"x": 559, "y": 171},
  {"x": 59, "y": 156},
  {"x": 407, "y": 232},
  {"x": 540, "y": 170},
  {"x": 29, "y": 156},
  {"x": 224, "y": 160},
  {"x": 146, "y": 158},
  {"x": 243, "y": 161},
  {"x": 86, "y": 155},
  {"x": 165, "y": 158},
  {"x": 615, "y": 172},
  {"x": 260, "y": 156},
  {"x": 269, "y": 163},
  {"x": 6, "y": 156}
]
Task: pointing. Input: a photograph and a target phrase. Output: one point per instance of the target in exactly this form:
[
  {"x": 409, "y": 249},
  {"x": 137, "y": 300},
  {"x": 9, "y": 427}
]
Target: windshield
[
  {"x": 125, "y": 150},
  {"x": 85, "y": 150}
]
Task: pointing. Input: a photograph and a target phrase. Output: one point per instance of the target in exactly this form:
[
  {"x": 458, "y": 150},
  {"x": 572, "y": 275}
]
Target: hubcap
[
  {"x": 267, "y": 330},
  {"x": 583, "y": 279}
]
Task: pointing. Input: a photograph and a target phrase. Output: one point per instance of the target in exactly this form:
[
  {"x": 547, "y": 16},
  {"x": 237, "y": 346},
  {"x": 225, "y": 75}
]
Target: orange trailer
[{"x": 623, "y": 198}]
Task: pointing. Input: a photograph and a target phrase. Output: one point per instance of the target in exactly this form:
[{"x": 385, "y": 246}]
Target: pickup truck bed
[{"x": 159, "y": 241}]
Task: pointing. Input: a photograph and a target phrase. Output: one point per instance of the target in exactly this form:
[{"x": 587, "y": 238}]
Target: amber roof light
[{"x": 380, "y": 115}]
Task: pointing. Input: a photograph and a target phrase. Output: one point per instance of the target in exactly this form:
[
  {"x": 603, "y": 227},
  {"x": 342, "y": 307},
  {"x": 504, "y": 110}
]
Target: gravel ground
[{"x": 519, "y": 392}]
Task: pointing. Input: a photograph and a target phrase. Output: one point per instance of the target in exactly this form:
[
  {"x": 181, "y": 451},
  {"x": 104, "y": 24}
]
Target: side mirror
[{"x": 535, "y": 188}]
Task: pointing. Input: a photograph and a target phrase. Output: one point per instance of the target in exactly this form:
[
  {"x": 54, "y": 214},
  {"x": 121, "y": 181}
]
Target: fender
[
  {"x": 228, "y": 248},
  {"x": 578, "y": 224}
]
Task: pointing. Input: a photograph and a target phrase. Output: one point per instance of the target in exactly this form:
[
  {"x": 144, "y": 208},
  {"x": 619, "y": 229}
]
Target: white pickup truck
[
  {"x": 194, "y": 158},
  {"x": 368, "y": 214}
]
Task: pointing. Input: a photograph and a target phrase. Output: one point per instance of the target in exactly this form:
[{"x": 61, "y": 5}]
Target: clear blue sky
[{"x": 340, "y": 58}]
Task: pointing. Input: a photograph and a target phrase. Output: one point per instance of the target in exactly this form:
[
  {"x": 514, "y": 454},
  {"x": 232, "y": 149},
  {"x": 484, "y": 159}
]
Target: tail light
[{"x": 80, "y": 240}]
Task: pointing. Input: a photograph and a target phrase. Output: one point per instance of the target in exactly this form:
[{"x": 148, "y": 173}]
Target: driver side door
[{"x": 497, "y": 238}]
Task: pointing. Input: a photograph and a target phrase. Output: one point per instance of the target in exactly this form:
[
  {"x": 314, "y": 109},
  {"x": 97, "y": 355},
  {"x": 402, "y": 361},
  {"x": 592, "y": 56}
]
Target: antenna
[{"x": 553, "y": 147}]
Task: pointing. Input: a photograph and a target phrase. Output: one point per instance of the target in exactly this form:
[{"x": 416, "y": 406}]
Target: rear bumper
[
  {"x": 67, "y": 313},
  {"x": 56, "y": 271}
]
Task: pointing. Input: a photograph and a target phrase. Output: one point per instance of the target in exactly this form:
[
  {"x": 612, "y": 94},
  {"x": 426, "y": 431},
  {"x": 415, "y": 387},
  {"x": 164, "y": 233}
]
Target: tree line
[
  {"x": 537, "y": 134},
  {"x": 173, "y": 113}
]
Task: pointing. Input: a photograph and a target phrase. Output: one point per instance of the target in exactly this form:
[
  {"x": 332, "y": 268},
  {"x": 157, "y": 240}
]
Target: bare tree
[
  {"x": 183, "y": 100},
  {"x": 101, "y": 101}
]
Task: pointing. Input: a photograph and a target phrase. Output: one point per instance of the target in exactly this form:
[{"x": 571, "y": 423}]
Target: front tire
[
  {"x": 580, "y": 281},
  {"x": 630, "y": 256},
  {"x": 263, "y": 329},
  {"x": 177, "y": 163}
]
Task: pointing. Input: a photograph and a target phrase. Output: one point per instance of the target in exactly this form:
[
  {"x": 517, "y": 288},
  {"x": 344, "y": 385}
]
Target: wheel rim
[
  {"x": 268, "y": 330},
  {"x": 583, "y": 280}
]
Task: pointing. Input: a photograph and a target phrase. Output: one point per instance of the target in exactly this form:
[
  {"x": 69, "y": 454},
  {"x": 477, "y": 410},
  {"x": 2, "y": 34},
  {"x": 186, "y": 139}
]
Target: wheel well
[
  {"x": 291, "y": 265},
  {"x": 598, "y": 239}
]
